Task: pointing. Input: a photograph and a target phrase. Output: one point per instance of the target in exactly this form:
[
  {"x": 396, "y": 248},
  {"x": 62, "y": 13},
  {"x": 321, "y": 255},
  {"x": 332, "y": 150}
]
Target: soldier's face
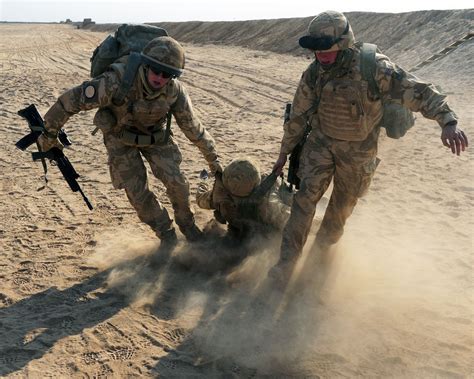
[
  {"x": 157, "y": 80},
  {"x": 326, "y": 57}
]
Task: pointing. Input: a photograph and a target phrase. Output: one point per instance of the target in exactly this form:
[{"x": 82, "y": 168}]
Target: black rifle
[
  {"x": 57, "y": 156},
  {"x": 295, "y": 154},
  {"x": 36, "y": 124}
]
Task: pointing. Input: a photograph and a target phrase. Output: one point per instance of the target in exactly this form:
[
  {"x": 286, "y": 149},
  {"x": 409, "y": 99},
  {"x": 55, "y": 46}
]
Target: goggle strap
[
  {"x": 158, "y": 66},
  {"x": 346, "y": 30}
]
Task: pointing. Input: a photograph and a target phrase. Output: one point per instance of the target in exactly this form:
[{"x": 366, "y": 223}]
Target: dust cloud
[{"x": 333, "y": 307}]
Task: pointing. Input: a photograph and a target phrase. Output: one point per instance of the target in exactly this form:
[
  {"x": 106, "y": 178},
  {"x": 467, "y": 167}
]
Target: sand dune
[
  {"x": 78, "y": 298},
  {"x": 396, "y": 34}
]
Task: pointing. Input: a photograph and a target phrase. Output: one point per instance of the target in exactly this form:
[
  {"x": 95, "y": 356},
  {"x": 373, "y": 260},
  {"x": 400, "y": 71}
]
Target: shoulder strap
[
  {"x": 314, "y": 72},
  {"x": 128, "y": 77},
  {"x": 131, "y": 69},
  {"x": 264, "y": 187},
  {"x": 368, "y": 65}
]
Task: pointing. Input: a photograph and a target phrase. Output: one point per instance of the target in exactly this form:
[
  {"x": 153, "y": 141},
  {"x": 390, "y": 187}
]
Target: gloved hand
[
  {"x": 46, "y": 143},
  {"x": 215, "y": 166},
  {"x": 204, "y": 175}
]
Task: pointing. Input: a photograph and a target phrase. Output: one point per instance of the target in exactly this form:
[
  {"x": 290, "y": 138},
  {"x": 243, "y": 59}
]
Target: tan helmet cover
[
  {"x": 329, "y": 24},
  {"x": 240, "y": 177},
  {"x": 166, "y": 52}
]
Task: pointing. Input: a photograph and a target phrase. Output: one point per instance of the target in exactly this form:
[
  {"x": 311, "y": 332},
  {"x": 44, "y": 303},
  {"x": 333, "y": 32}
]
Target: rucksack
[
  {"x": 396, "y": 120},
  {"x": 126, "y": 39}
]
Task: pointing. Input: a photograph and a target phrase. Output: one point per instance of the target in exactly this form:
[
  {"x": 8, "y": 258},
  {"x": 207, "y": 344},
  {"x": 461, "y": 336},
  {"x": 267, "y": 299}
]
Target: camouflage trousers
[
  {"x": 128, "y": 172},
  {"x": 351, "y": 164}
]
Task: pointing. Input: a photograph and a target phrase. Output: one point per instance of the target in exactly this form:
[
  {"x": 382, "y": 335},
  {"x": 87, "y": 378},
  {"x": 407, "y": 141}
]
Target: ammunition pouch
[
  {"x": 345, "y": 111},
  {"x": 105, "y": 120}
]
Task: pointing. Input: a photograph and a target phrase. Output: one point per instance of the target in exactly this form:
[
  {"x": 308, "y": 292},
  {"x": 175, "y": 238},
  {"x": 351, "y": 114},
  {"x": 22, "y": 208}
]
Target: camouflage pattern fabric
[
  {"x": 350, "y": 163},
  {"x": 143, "y": 114},
  {"x": 394, "y": 82},
  {"x": 331, "y": 24},
  {"x": 275, "y": 210},
  {"x": 217, "y": 198},
  {"x": 137, "y": 109},
  {"x": 128, "y": 172},
  {"x": 271, "y": 212},
  {"x": 166, "y": 51},
  {"x": 240, "y": 177}
]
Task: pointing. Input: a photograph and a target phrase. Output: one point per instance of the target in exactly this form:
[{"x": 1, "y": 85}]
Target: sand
[{"x": 79, "y": 299}]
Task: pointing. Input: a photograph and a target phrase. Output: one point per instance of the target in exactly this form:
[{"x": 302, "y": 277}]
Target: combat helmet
[
  {"x": 328, "y": 31},
  {"x": 164, "y": 54},
  {"x": 240, "y": 177}
]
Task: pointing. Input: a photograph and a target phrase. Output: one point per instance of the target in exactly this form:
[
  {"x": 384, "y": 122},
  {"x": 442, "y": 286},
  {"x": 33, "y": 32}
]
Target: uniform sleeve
[
  {"x": 204, "y": 196},
  {"x": 192, "y": 128},
  {"x": 398, "y": 85},
  {"x": 95, "y": 93},
  {"x": 223, "y": 202},
  {"x": 218, "y": 199},
  {"x": 303, "y": 101}
]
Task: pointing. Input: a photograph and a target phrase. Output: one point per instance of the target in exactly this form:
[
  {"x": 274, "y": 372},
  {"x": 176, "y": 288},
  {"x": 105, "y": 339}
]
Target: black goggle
[
  {"x": 160, "y": 68},
  {"x": 164, "y": 74},
  {"x": 321, "y": 43}
]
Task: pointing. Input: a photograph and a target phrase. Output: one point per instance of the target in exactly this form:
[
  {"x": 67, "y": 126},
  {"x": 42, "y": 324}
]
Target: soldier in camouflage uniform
[
  {"x": 334, "y": 100},
  {"x": 236, "y": 200},
  {"x": 135, "y": 128}
]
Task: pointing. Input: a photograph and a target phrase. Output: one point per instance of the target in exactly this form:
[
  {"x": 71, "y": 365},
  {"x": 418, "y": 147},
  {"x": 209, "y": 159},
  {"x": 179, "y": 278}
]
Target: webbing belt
[{"x": 131, "y": 138}]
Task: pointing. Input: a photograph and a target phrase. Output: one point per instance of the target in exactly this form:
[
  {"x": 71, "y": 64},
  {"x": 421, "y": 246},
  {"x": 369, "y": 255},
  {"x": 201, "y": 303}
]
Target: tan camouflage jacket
[
  {"x": 138, "y": 112},
  {"x": 394, "y": 84},
  {"x": 273, "y": 210}
]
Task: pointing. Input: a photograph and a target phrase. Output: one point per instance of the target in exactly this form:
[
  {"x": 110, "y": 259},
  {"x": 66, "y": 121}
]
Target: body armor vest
[
  {"x": 140, "y": 122},
  {"x": 249, "y": 208},
  {"x": 345, "y": 110}
]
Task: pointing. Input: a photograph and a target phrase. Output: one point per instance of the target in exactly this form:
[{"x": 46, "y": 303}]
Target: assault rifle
[
  {"x": 55, "y": 155},
  {"x": 36, "y": 124},
  {"x": 295, "y": 154}
]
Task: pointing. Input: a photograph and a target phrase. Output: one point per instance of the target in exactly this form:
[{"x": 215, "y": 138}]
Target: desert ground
[{"x": 78, "y": 297}]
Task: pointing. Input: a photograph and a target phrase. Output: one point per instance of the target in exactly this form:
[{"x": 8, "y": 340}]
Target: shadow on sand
[
  {"x": 242, "y": 331},
  {"x": 30, "y": 327}
]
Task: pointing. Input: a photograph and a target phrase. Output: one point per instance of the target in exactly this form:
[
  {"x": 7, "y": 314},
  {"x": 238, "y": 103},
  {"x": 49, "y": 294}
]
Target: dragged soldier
[
  {"x": 334, "y": 100},
  {"x": 135, "y": 125},
  {"x": 248, "y": 202}
]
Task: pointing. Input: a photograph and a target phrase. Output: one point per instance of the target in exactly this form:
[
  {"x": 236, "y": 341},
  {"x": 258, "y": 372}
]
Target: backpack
[
  {"x": 396, "y": 120},
  {"x": 130, "y": 40},
  {"x": 127, "y": 38}
]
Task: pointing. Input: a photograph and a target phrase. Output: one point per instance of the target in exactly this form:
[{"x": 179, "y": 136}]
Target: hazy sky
[{"x": 207, "y": 10}]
